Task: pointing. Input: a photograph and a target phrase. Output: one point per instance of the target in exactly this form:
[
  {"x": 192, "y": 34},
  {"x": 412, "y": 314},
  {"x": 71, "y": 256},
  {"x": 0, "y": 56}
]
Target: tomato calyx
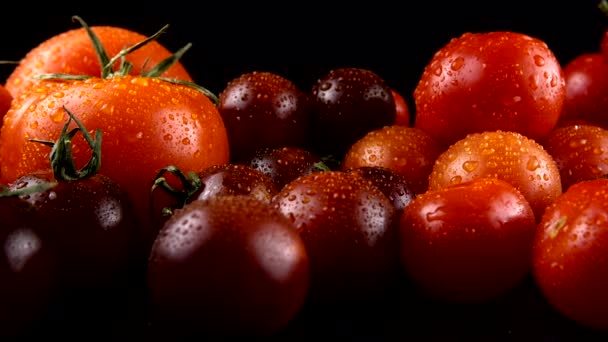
[
  {"x": 191, "y": 184},
  {"x": 125, "y": 66},
  {"x": 61, "y": 157}
]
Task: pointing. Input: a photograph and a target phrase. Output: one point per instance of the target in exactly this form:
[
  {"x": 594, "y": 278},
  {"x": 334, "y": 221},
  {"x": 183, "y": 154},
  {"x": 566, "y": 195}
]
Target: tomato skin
[
  {"x": 468, "y": 243},
  {"x": 5, "y": 101},
  {"x": 91, "y": 223},
  {"x": 586, "y": 89},
  {"x": 580, "y": 152},
  {"x": 402, "y": 114},
  {"x": 229, "y": 265},
  {"x": 490, "y": 81},
  {"x": 146, "y": 123},
  {"x": 71, "y": 52},
  {"x": 349, "y": 229},
  {"x": 570, "y": 254}
]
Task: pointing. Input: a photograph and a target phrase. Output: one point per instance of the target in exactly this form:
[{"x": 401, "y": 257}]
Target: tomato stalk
[
  {"x": 191, "y": 184},
  {"x": 61, "y": 157}
]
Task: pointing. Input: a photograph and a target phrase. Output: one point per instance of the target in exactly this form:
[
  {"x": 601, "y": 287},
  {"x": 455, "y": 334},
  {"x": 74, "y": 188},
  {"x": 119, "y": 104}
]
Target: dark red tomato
[
  {"x": 586, "y": 90},
  {"x": 468, "y": 243},
  {"x": 349, "y": 229},
  {"x": 92, "y": 223},
  {"x": 392, "y": 184},
  {"x": 580, "y": 152},
  {"x": 408, "y": 151},
  {"x": 229, "y": 265},
  {"x": 490, "y": 81},
  {"x": 348, "y": 103},
  {"x": 570, "y": 254},
  {"x": 28, "y": 267},
  {"x": 263, "y": 109},
  {"x": 402, "y": 114},
  {"x": 5, "y": 101},
  {"x": 284, "y": 164}
]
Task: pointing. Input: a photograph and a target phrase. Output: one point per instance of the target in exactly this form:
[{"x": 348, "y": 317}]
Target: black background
[{"x": 302, "y": 41}]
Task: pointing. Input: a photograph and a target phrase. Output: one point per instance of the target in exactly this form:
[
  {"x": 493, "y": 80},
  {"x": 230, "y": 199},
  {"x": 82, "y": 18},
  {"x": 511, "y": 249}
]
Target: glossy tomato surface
[
  {"x": 498, "y": 80},
  {"x": 571, "y": 255}
]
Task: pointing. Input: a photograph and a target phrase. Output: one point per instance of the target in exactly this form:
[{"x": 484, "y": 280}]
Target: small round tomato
[
  {"x": 408, "y": 151},
  {"x": 580, "y": 151},
  {"x": 5, "y": 102},
  {"x": 403, "y": 116},
  {"x": 509, "y": 156},
  {"x": 349, "y": 229},
  {"x": 229, "y": 265},
  {"x": 586, "y": 90},
  {"x": 490, "y": 81},
  {"x": 263, "y": 109},
  {"x": 468, "y": 243},
  {"x": 570, "y": 254}
]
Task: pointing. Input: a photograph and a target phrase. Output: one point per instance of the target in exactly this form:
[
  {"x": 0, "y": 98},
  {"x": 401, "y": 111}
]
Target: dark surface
[{"x": 303, "y": 41}]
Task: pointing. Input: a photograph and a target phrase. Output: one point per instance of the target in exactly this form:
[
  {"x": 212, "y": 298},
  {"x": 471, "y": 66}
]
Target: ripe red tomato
[
  {"x": 5, "y": 102},
  {"x": 509, "y": 156},
  {"x": 229, "y": 265},
  {"x": 403, "y": 116},
  {"x": 580, "y": 152},
  {"x": 586, "y": 90},
  {"x": 570, "y": 254},
  {"x": 408, "y": 151},
  {"x": 468, "y": 243},
  {"x": 71, "y": 52},
  {"x": 490, "y": 81},
  {"x": 147, "y": 124}
]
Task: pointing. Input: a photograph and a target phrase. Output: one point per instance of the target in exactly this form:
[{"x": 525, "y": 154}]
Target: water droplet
[
  {"x": 533, "y": 163},
  {"x": 457, "y": 64},
  {"x": 470, "y": 165},
  {"x": 539, "y": 60}
]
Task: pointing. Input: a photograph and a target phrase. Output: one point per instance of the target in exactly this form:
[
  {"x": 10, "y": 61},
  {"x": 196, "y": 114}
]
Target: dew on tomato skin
[
  {"x": 470, "y": 165},
  {"x": 19, "y": 246}
]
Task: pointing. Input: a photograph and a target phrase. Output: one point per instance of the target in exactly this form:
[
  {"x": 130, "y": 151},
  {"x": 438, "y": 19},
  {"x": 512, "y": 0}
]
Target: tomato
[
  {"x": 284, "y": 164},
  {"x": 490, "y": 81},
  {"x": 570, "y": 254},
  {"x": 5, "y": 102},
  {"x": 263, "y": 109},
  {"x": 509, "y": 156},
  {"x": 229, "y": 265},
  {"x": 580, "y": 152},
  {"x": 71, "y": 52},
  {"x": 408, "y": 151},
  {"x": 348, "y": 102},
  {"x": 147, "y": 124},
  {"x": 468, "y": 243},
  {"x": 28, "y": 267},
  {"x": 349, "y": 229},
  {"x": 402, "y": 113},
  {"x": 586, "y": 89}
]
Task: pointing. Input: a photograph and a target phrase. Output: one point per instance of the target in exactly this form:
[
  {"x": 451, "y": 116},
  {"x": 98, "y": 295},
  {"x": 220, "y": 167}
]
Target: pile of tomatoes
[{"x": 130, "y": 190}]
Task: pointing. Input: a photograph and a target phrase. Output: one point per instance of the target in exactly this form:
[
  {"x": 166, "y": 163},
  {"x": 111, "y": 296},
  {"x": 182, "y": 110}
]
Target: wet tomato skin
[
  {"x": 229, "y": 265},
  {"x": 488, "y": 81},
  {"x": 468, "y": 243},
  {"x": 263, "y": 109},
  {"x": 570, "y": 254},
  {"x": 580, "y": 152},
  {"x": 349, "y": 229},
  {"x": 92, "y": 224}
]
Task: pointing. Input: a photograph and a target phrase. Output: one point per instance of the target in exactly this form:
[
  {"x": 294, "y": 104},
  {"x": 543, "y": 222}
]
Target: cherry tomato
[
  {"x": 229, "y": 265},
  {"x": 349, "y": 229},
  {"x": 509, "y": 156},
  {"x": 263, "y": 109},
  {"x": 490, "y": 81},
  {"x": 408, "y": 151},
  {"x": 580, "y": 152},
  {"x": 586, "y": 90},
  {"x": 570, "y": 254},
  {"x": 402, "y": 114},
  {"x": 468, "y": 243}
]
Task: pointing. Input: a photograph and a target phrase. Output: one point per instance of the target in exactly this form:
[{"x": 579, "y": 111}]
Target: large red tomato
[
  {"x": 72, "y": 52},
  {"x": 490, "y": 81}
]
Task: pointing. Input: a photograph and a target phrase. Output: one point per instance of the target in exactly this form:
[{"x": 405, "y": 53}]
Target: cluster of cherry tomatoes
[{"x": 232, "y": 213}]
